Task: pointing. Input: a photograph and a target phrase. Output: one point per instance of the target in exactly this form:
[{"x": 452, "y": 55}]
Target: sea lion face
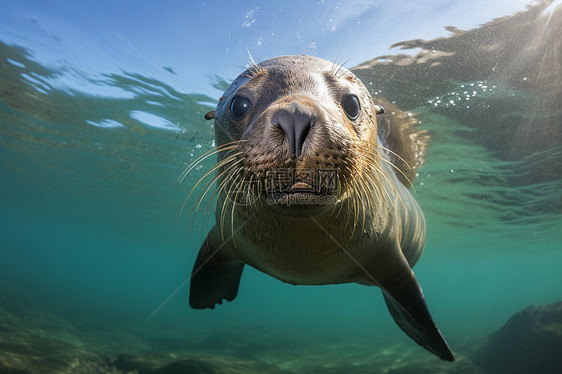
[{"x": 297, "y": 132}]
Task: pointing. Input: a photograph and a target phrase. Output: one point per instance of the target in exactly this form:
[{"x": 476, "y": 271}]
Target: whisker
[
  {"x": 231, "y": 180},
  {"x": 216, "y": 195},
  {"x": 218, "y": 165},
  {"x": 379, "y": 193},
  {"x": 366, "y": 183},
  {"x": 206, "y": 187},
  {"x": 395, "y": 154},
  {"x": 370, "y": 194},
  {"x": 363, "y": 197},
  {"x": 378, "y": 171},
  {"x": 226, "y": 171},
  {"x": 338, "y": 195},
  {"x": 249, "y": 192},
  {"x": 356, "y": 200},
  {"x": 210, "y": 152},
  {"x": 351, "y": 195},
  {"x": 201, "y": 158},
  {"x": 334, "y": 65},
  {"x": 197, "y": 160},
  {"x": 401, "y": 172},
  {"x": 368, "y": 147},
  {"x": 392, "y": 185},
  {"x": 209, "y": 185},
  {"x": 232, "y": 217},
  {"x": 167, "y": 72},
  {"x": 341, "y": 201},
  {"x": 254, "y": 68},
  {"x": 197, "y": 202},
  {"x": 340, "y": 67},
  {"x": 222, "y": 184}
]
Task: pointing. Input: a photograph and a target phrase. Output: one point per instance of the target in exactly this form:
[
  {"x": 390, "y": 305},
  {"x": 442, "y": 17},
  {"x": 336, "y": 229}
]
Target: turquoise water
[{"x": 95, "y": 256}]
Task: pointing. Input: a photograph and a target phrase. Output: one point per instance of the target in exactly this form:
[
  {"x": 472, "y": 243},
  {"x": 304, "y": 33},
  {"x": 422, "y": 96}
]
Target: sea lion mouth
[
  {"x": 300, "y": 194},
  {"x": 298, "y": 186}
]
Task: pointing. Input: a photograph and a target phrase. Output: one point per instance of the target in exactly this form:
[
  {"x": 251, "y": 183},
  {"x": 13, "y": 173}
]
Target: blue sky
[{"x": 198, "y": 39}]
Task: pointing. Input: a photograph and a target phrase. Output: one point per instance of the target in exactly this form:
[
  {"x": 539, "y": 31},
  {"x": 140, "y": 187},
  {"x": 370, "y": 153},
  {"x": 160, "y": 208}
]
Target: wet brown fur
[{"x": 372, "y": 234}]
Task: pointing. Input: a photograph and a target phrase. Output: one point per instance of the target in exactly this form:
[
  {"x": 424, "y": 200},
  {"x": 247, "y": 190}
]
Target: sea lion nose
[{"x": 295, "y": 120}]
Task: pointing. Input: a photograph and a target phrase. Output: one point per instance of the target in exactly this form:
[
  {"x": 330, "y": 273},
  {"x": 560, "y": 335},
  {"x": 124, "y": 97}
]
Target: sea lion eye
[
  {"x": 351, "y": 106},
  {"x": 239, "y": 107}
]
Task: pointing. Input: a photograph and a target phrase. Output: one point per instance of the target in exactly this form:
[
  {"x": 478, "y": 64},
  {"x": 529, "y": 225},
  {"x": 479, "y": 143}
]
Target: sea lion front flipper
[
  {"x": 214, "y": 276},
  {"x": 406, "y": 303}
]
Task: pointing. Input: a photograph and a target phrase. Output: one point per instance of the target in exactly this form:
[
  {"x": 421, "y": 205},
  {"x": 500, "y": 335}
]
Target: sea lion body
[
  {"x": 308, "y": 255},
  {"x": 307, "y": 193}
]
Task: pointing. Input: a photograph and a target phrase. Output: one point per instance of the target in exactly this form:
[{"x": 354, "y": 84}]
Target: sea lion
[{"x": 306, "y": 192}]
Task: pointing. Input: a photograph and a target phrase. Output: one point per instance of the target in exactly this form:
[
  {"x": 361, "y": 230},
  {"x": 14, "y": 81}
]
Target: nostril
[{"x": 301, "y": 132}]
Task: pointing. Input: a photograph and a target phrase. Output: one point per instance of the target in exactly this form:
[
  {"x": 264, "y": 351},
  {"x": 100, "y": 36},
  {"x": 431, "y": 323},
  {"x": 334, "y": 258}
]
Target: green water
[{"x": 96, "y": 256}]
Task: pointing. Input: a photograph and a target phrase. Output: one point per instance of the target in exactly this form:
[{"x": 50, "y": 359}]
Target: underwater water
[{"x": 96, "y": 252}]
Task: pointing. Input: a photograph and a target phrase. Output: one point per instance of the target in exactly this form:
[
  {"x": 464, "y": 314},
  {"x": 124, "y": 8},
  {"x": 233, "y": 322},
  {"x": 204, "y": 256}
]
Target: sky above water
[{"x": 187, "y": 42}]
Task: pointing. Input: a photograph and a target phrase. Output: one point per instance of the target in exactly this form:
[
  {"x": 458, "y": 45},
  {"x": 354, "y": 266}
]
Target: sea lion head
[{"x": 299, "y": 134}]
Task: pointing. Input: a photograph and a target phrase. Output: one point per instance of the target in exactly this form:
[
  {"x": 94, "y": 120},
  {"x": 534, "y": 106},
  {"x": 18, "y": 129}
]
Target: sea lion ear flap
[
  {"x": 379, "y": 109},
  {"x": 210, "y": 115}
]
